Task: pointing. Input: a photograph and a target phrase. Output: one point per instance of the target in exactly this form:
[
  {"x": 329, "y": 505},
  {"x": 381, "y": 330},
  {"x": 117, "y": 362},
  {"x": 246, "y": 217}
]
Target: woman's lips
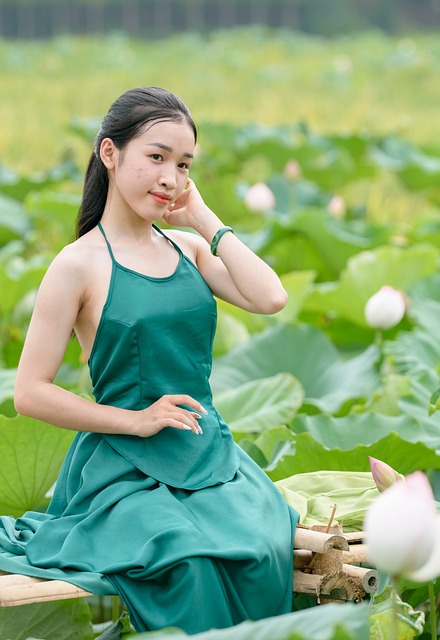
[{"x": 160, "y": 198}]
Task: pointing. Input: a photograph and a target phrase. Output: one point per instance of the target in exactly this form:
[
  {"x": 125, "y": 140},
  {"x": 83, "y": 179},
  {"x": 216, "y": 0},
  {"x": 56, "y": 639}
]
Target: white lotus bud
[
  {"x": 402, "y": 530},
  {"x": 260, "y": 198},
  {"x": 336, "y": 207},
  {"x": 385, "y": 308},
  {"x": 383, "y": 475},
  {"x": 292, "y": 169}
]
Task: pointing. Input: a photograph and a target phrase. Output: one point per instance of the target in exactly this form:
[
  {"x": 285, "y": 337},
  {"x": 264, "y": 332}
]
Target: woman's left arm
[{"x": 236, "y": 274}]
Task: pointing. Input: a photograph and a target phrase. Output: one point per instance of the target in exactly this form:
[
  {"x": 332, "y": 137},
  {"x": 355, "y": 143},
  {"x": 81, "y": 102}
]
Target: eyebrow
[{"x": 167, "y": 148}]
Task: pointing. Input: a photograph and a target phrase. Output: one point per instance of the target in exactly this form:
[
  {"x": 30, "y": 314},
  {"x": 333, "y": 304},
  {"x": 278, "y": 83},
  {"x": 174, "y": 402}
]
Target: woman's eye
[
  {"x": 157, "y": 156},
  {"x": 184, "y": 165}
]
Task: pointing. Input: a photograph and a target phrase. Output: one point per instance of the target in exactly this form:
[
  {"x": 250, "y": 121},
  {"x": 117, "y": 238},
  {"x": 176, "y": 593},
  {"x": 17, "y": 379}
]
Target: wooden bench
[
  {"x": 17, "y": 589},
  {"x": 325, "y": 566}
]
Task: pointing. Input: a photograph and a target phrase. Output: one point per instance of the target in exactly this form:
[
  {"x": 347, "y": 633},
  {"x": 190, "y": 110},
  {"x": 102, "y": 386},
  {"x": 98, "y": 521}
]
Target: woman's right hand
[{"x": 166, "y": 412}]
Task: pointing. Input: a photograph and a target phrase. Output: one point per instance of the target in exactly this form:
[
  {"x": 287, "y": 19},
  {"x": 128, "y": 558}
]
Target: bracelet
[{"x": 216, "y": 239}]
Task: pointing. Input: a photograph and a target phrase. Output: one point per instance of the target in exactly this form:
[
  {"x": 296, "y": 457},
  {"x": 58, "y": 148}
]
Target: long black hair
[{"x": 125, "y": 120}]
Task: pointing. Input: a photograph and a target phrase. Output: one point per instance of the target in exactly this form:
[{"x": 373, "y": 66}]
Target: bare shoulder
[
  {"x": 73, "y": 263},
  {"x": 189, "y": 242}
]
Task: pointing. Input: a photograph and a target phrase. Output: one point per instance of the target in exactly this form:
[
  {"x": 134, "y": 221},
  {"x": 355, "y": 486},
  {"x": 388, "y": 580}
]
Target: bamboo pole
[
  {"x": 367, "y": 577},
  {"x": 306, "y": 582},
  {"x": 319, "y": 542},
  {"x": 357, "y": 553}
]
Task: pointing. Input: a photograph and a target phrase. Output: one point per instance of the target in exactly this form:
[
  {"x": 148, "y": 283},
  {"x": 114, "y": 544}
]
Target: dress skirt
[{"x": 193, "y": 559}]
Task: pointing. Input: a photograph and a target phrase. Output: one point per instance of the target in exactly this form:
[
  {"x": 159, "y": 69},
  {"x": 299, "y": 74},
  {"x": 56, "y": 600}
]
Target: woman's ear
[{"x": 108, "y": 153}]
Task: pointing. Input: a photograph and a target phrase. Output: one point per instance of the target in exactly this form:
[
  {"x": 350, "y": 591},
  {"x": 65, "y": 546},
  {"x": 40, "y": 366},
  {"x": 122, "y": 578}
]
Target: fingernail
[
  {"x": 203, "y": 410},
  {"x": 186, "y": 427},
  {"x": 196, "y": 415}
]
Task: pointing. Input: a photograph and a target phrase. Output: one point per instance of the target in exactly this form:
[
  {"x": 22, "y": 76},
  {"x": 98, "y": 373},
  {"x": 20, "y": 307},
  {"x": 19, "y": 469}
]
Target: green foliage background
[{"x": 313, "y": 387}]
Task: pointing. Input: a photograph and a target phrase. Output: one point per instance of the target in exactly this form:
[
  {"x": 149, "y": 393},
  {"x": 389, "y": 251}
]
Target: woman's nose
[{"x": 168, "y": 178}]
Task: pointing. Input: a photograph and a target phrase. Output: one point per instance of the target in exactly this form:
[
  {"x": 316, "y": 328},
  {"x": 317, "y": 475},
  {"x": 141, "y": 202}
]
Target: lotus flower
[
  {"x": 402, "y": 530},
  {"x": 336, "y": 207},
  {"x": 385, "y": 308},
  {"x": 383, "y": 475},
  {"x": 260, "y": 198},
  {"x": 292, "y": 169}
]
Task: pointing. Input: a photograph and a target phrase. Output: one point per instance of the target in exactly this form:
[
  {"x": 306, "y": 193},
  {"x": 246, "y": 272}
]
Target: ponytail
[{"x": 94, "y": 196}]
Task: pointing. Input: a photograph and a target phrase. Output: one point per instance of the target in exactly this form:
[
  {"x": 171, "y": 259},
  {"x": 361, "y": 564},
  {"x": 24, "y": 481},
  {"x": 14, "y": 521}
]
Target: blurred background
[
  {"x": 320, "y": 144},
  {"x": 339, "y": 66}
]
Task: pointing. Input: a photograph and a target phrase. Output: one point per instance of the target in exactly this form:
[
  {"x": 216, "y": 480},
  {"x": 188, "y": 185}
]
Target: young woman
[{"x": 155, "y": 501}]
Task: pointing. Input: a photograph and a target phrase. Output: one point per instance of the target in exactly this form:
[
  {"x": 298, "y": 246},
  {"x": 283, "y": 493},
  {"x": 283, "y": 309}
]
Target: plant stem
[
  {"x": 378, "y": 338},
  {"x": 115, "y": 608},
  {"x": 433, "y": 616},
  {"x": 394, "y": 611}
]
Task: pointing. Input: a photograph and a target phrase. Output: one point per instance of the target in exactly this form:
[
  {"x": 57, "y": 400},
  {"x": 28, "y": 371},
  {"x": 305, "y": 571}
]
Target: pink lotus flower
[
  {"x": 402, "y": 530},
  {"x": 260, "y": 198},
  {"x": 292, "y": 169},
  {"x": 336, "y": 207},
  {"x": 385, "y": 308},
  {"x": 383, "y": 475}
]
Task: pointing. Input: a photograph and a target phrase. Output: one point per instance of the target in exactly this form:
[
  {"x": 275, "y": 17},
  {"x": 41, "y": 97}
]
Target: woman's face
[{"x": 151, "y": 171}]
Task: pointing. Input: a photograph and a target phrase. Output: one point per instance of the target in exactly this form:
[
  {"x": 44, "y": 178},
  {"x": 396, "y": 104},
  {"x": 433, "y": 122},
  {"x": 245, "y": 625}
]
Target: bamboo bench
[{"x": 324, "y": 565}]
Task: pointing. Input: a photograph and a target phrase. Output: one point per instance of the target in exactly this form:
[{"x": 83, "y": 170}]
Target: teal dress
[{"x": 186, "y": 528}]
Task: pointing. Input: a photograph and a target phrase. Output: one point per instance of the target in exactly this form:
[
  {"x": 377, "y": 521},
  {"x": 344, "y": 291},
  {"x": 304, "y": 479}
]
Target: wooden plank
[{"x": 16, "y": 590}]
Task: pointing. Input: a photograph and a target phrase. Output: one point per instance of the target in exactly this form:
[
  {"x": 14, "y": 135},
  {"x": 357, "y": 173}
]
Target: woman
[{"x": 155, "y": 501}]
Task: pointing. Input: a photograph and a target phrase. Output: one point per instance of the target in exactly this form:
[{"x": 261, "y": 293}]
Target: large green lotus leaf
[
  {"x": 230, "y": 332},
  {"x": 410, "y": 622},
  {"x": 7, "y": 382},
  {"x": 414, "y": 353},
  {"x": 394, "y": 153},
  {"x": 346, "y": 621},
  {"x": 260, "y": 404},
  {"x": 425, "y": 304},
  {"x": 425, "y": 228},
  {"x": 61, "y": 620},
  {"x": 54, "y": 216},
  {"x": 295, "y": 252},
  {"x": 366, "y": 273},
  {"x": 297, "y": 284},
  {"x": 31, "y": 453},
  {"x": 14, "y": 223},
  {"x": 295, "y": 195},
  {"x": 13, "y": 289},
  {"x": 329, "y": 381},
  {"x": 334, "y": 240},
  {"x": 18, "y": 187},
  {"x": 305, "y": 454},
  {"x": 417, "y": 170},
  {"x": 347, "y": 432},
  {"x": 270, "y": 441},
  {"x": 325, "y": 442}
]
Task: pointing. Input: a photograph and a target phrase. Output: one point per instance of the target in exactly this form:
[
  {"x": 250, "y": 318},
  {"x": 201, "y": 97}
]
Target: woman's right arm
[{"x": 59, "y": 300}]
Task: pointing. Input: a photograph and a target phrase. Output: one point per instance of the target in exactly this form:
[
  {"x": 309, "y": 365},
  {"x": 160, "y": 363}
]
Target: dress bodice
[{"x": 154, "y": 338}]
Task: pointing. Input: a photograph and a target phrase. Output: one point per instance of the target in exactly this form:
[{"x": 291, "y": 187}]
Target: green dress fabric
[{"x": 186, "y": 528}]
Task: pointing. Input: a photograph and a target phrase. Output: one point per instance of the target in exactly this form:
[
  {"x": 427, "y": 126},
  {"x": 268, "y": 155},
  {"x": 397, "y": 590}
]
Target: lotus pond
[{"x": 313, "y": 388}]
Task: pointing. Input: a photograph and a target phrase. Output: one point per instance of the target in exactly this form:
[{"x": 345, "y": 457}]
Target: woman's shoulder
[
  {"x": 188, "y": 241},
  {"x": 77, "y": 257}
]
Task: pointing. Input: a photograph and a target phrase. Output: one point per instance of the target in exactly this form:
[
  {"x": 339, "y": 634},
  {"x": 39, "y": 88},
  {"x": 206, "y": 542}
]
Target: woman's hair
[{"x": 125, "y": 120}]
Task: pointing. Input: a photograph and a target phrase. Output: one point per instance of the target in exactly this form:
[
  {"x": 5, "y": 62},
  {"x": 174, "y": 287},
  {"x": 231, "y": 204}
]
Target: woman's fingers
[
  {"x": 178, "y": 399},
  {"x": 177, "y": 424},
  {"x": 168, "y": 412}
]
